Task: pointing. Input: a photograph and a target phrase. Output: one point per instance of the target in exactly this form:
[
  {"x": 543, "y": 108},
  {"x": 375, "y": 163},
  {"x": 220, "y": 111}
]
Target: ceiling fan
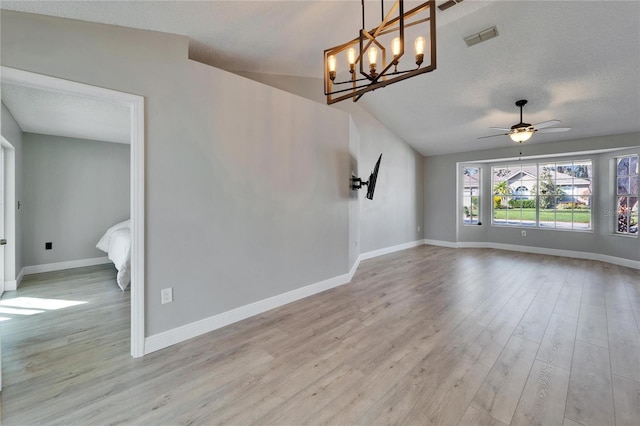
[{"x": 522, "y": 132}]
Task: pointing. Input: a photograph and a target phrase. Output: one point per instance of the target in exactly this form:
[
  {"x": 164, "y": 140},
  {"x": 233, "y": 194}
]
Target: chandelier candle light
[{"x": 419, "y": 25}]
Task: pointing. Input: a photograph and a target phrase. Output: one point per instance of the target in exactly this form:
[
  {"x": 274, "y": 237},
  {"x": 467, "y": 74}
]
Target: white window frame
[
  {"x": 471, "y": 195},
  {"x": 537, "y": 196},
  {"x": 614, "y": 187}
]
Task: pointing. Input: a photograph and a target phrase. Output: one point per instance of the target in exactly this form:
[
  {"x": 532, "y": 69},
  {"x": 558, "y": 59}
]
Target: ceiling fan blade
[
  {"x": 501, "y": 128},
  {"x": 554, "y": 129},
  {"x": 545, "y": 124},
  {"x": 493, "y": 136}
]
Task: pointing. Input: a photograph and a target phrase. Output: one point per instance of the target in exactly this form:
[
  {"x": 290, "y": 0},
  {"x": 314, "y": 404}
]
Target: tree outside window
[{"x": 545, "y": 195}]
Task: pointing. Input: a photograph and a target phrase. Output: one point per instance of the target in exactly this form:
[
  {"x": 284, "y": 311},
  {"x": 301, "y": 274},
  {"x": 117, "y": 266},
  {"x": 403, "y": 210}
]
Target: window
[
  {"x": 627, "y": 195},
  {"x": 514, "y": 201},
  {"x": 546, "y": 195},
  {"x": 471, "y": 195},
  {"x": 564, "y": 195}
]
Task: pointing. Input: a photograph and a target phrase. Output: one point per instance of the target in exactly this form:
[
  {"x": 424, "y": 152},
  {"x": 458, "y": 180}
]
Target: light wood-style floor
[{"x": 424, "y": 336}]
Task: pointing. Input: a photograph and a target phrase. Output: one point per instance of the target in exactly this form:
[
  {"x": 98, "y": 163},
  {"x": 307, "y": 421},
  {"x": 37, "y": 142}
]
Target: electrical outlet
[
  {"x": 166, "y": 295},
  {"x": 418, "y": 228},
  {"x": 524, "y": 233},
  {"x": 48, "y": 246}
]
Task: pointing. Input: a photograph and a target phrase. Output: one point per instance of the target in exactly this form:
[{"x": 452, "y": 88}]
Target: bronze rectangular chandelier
[{"x": 396, "y": 27}]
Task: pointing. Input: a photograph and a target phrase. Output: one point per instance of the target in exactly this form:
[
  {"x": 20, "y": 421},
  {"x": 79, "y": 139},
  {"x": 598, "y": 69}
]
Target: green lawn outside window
[{"x": 546, "y": 215}]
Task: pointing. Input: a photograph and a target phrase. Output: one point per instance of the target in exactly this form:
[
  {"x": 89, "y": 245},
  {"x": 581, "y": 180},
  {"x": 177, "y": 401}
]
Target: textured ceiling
[
  {"x": 51, "y": 113},
  {"x": 576, "y": 61}
]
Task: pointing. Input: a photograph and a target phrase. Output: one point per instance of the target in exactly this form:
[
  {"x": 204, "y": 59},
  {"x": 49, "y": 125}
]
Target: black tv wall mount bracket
[{"x": 357, "y": 183}]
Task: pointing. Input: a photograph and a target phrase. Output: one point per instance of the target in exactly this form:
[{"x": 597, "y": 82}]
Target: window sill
[
  {"x": 623, "y": 235},
  {"x": 539, "y": 228}
]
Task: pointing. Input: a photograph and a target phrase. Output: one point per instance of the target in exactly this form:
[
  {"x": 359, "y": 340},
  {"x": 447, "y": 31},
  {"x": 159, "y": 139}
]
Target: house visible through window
[
  {"x": 627, "y": 195},
  {"x": 545, "y": 195},
  {"x": 471, "y": 195}
]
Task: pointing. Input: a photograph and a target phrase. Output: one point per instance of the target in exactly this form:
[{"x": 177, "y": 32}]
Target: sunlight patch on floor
[
  {"x": 39, "y": 303},
  {"x": 33, "y": 305},
  {"x": 4, "y": 310}
]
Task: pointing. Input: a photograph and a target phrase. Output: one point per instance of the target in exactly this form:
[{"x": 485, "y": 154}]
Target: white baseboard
[
  {"x": 464, "y": 244},
  {"x": 188, "y": 331},
  {"x": 14, "y": 284},
  {"x": 354, "y": 268},
  {"x": 541, "y": 250},
  {"x": 440, "y": 243},
  {"x": 387, "y": 250},
  {"x": 59, "y": 266},
  {"x": 619, "y": 261}
]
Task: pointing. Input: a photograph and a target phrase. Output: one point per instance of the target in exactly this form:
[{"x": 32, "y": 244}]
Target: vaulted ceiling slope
[{"x": 576, "y": 61}]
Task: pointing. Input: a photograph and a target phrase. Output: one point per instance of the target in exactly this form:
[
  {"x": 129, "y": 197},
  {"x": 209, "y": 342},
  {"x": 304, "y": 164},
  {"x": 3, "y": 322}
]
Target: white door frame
[
  {"x": 3, "y": 209},
  {"x": 10, "y": 274},
  {"x": 136, "y": 105}
]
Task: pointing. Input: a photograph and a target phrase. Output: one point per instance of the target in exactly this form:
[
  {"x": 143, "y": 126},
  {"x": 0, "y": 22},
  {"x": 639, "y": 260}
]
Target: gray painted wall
[
  {"x": 441, "y": 194},
  {"x": 397, "y": 210},
  {"x": 12, "y": 132},
  {"x": 245, "y": 184},
  {"x": 354, "y": 198},
  {"x": 75, "y": 189}
]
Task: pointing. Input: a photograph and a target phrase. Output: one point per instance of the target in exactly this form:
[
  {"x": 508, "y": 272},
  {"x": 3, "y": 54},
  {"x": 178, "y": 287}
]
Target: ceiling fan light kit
[
  {"x": 522, "y": 132},
  {"x": 521, "y": 135},
  {"x": 383, "y": 48}
]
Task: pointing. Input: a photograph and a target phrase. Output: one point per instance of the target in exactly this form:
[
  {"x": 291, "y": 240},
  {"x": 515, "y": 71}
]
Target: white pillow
[{"x": 104, "y": 242}]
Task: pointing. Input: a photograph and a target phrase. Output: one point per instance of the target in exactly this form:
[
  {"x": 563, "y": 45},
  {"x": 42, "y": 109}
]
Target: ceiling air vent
[
  {"x": 448, "y": 4},
  {"x": 483, "y": 35}
]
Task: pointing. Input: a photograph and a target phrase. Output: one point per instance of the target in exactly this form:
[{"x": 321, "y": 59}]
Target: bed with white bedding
[{"x": 116, "y": 242}]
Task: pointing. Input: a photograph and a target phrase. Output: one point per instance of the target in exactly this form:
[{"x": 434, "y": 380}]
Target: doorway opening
[{"x": 135, "y": 104}]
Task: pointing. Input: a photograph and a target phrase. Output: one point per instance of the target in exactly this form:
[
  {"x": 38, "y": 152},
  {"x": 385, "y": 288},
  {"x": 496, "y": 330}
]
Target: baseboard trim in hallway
[
  {"x": 188, "y": 331},
  {"x": 197, "y": 328}
]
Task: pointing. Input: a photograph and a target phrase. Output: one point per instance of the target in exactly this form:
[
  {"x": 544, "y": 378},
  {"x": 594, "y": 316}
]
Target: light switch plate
[{"x": 166, "y": 295}]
